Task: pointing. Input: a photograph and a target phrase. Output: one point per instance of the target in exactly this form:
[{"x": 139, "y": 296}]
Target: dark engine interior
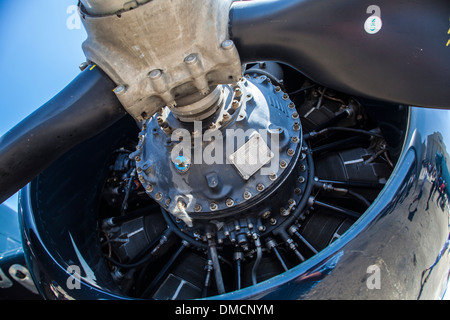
[{"x": 340, "y": 152}]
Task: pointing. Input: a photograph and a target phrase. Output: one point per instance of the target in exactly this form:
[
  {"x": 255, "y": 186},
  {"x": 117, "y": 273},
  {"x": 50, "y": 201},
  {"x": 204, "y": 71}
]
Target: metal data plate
[{"x": 251, "y": 156}]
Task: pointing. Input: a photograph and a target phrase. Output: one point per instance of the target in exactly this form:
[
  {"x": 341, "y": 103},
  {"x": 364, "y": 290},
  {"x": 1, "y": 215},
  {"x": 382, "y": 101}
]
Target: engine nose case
[{"x": 242, "y": 157}]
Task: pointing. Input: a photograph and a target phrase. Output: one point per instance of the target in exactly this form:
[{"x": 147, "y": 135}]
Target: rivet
[
  {"x": 229, "y": 202},
  {"x": 228, "y": 44}
]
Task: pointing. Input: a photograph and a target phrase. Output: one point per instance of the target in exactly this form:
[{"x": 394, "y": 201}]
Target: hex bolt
[
  {"x": 192, "y": 58},
  {"x": 291, "y": 105},
  {"x": 149, "y": 188},
  {"x": 247, "y": 195},
  {"x": 295, "y": 115},
  {"x": 277, "y": 89},
  {"x": 273, "y": 221},
  {"x": 272, "y": 176},
  {"x": 213, "y": 206},
  {"x": 158, "y": 196},
  {"x": 290, "y": 152},
  {"x": 229, "y": 202},
  {"x": 197, "y": 208},
  {"x": 120, "y": 89},
  {"x": 301, "y": 179},
  {"x": 260, "y": 187},
  {"x": 155, "y": 74},
  {"x": 83, "y": 66},
  {"x": 296, "y": 126},
  {"x": 295, "y": 139},
  {"x": 227, "y": 44},
  {"x": 298, "y": 191},
  {"x": 285, "y": 96},
  {"x": 283, "y": 164},
  {"x": 167, "y": 129}
]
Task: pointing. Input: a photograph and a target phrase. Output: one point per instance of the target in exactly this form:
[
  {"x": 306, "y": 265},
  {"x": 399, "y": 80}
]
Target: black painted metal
[
  {"x": 405, "y": 62},
  {"x": 84, "y": 108}
]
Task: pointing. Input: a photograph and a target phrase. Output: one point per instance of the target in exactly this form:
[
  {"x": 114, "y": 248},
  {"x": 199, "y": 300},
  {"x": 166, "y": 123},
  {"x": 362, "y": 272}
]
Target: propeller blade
[
  {"x": 396, "y": 51},
  {"x": 84, "y": 108}
]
